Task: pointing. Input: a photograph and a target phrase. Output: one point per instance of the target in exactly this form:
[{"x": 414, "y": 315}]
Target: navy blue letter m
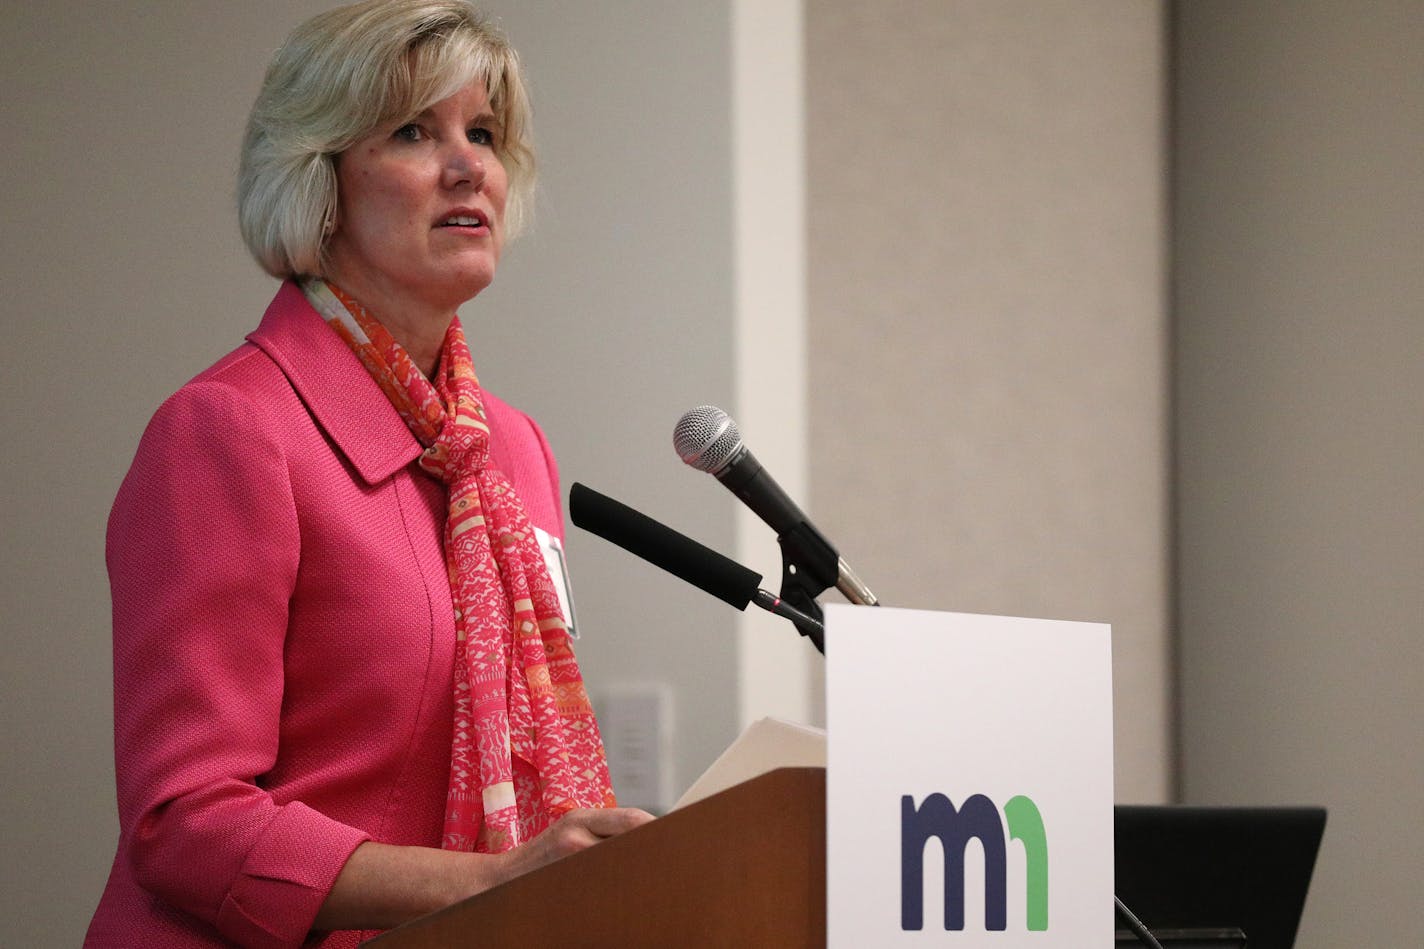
[{"x": 936, "y": 817}]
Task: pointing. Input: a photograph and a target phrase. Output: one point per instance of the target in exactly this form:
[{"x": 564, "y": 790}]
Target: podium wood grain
[{"x": 746, "y": 867}]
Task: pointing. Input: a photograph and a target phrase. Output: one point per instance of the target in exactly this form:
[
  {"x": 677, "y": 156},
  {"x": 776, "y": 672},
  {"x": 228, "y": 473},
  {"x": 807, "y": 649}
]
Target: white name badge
[
  {"x": 969, "y": 780},
  {"x": 558, "y": 572}
]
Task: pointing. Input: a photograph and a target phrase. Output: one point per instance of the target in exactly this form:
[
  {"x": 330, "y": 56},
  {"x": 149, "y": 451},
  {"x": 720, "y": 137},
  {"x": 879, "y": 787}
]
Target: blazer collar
[{"x": 336, "y": 388}]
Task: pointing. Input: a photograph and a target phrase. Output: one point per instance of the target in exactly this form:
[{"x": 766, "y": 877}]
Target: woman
[{"x": 344, "y": 694}]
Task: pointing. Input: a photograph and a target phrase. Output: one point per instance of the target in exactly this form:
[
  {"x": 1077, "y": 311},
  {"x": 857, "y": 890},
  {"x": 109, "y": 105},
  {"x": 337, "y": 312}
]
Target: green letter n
[{"x": 1026, "y": 825}]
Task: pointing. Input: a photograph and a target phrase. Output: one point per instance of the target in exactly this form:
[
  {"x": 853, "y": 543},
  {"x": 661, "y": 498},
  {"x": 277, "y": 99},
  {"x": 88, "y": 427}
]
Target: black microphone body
[{"x": 747, "y": 479}]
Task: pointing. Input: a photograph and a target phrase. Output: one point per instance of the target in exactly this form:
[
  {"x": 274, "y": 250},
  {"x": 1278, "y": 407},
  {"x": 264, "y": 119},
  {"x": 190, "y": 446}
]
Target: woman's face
[{"x": 420, "y": 208}]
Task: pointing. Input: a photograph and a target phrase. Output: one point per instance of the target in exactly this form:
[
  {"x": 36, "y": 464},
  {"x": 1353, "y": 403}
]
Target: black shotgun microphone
[
  {"x": 707, "y": 439},
  {"x": 681, "y": 556}
]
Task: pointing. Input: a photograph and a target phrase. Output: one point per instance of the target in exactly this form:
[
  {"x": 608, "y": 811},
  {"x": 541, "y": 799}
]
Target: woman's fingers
[
  {"x": 577, "y": 830},
  {"x": 609, "y": 821},
  {"x": 585, "y": 827}
]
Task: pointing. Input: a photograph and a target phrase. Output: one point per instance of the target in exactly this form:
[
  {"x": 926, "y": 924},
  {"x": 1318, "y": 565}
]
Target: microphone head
[{"x": 706, "y": 438}]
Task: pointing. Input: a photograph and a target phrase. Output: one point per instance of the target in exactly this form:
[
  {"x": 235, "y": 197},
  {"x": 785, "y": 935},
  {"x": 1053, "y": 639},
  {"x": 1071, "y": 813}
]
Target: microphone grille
[{"x": 706, "y": 438}]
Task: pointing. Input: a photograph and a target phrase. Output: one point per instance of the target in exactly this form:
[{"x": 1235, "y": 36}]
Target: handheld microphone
[
  {"x": 707, "y": 439},
  {"x": 682, "y": 557}
]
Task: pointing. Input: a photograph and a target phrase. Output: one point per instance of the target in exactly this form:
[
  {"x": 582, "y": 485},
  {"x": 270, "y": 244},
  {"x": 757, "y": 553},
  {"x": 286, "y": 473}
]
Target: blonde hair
[{"x": 341, "y": 76}]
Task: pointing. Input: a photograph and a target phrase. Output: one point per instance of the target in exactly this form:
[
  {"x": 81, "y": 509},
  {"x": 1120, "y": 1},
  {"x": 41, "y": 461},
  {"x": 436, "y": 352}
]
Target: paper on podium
[{"x": 767, "y": 744}]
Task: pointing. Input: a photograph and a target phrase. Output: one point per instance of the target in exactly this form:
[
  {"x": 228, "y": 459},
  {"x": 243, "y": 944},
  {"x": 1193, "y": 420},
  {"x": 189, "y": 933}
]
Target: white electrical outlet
[{"x": 636, "y": 722}]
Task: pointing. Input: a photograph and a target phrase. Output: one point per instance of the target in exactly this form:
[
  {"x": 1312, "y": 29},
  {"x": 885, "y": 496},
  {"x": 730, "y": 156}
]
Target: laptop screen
[{"x": 1218, "y": 867}]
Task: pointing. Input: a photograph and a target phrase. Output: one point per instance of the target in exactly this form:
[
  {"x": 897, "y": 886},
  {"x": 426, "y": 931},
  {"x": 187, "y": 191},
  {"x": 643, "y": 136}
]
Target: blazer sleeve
[{"x": 203, "y": 549}]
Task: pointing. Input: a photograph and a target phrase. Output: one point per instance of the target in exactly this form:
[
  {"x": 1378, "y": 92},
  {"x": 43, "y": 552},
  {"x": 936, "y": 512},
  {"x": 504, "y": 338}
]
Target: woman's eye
[
  {"x": 481, "y": 136},
  {"x": 409, "y": 132}
]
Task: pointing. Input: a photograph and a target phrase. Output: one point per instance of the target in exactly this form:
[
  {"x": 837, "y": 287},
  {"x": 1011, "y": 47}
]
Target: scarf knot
[{"x": 461, "y": 445}]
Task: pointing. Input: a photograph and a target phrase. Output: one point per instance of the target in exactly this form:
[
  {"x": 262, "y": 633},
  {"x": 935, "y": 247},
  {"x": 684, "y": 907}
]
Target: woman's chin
[
  {"x": 468, "y": 280},
  {"x": 450, "y": 291},
  {"x": 472, "y": 289}
]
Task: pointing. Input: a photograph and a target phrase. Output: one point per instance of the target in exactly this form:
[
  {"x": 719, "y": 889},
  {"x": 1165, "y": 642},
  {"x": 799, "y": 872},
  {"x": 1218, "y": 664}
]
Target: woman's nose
[{"x": 464, "y": 166}]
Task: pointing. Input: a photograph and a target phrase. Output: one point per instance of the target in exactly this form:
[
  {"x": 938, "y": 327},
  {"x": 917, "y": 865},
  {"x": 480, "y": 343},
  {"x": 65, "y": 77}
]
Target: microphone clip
[{"x": 809, "y": 567}]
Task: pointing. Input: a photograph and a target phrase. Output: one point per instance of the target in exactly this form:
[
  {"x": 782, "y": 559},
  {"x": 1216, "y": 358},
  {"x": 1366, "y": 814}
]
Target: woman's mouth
[{"x": 464, "y": 220}]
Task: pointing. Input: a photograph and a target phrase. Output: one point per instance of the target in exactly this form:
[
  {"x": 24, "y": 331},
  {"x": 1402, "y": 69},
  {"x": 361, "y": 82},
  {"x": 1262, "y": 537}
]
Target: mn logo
[{"x": 977, "y": 818}]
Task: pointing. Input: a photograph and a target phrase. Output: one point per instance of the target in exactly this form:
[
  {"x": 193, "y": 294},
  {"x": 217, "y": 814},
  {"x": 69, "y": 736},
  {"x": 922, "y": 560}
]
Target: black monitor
[{"x": 1205, "y": 875}]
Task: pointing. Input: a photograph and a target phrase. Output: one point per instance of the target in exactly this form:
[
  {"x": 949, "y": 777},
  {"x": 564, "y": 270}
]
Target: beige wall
[
  {"x": 986, "y": 195},
  {"x": 123, "y": 275},
  {"x": 1300, "y": 338}
]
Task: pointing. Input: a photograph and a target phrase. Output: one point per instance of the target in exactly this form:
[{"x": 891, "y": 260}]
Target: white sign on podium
[{"x": 969, "y": 780}]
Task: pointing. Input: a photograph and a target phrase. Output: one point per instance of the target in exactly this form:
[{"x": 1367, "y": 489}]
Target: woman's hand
[
  {"x": 575, "y": 831},
  {"x": 383, "y": 885}
]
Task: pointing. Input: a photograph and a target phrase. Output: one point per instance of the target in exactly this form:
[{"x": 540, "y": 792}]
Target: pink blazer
[{"x": 283, "y": 639}]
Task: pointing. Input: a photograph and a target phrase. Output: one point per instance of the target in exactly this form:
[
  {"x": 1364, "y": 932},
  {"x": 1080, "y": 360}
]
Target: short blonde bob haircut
[{"x": 342, "y": 76}]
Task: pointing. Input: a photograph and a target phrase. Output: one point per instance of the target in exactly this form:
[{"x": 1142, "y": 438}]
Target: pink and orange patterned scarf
[{"x": 526, "y": 748}]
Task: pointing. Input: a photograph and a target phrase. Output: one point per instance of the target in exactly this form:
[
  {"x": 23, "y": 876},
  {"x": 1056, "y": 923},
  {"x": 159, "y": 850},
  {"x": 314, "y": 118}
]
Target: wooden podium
[{"x": 746, "y": 867}]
